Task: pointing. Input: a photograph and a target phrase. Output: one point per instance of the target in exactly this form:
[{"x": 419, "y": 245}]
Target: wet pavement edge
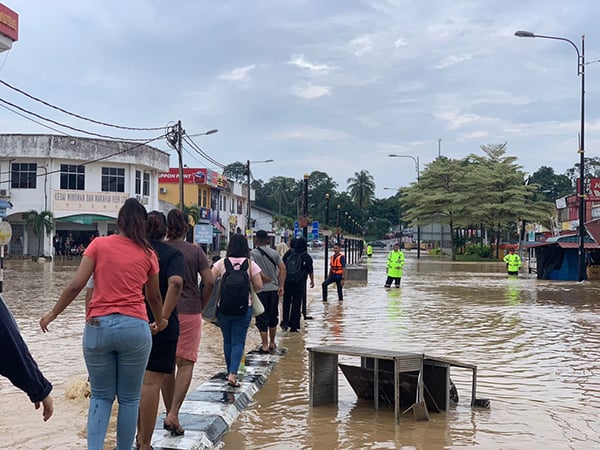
[{"x": 210, "y": 409}]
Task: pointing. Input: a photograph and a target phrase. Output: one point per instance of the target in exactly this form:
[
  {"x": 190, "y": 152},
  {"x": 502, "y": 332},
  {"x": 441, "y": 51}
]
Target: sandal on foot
[
  {"x": 233, "y": 384},
  {"x": 175, "y": 430}
]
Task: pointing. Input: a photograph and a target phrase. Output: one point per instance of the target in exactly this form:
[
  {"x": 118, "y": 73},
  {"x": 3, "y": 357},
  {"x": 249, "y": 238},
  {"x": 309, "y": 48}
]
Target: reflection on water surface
[{"x": 536, "y": 344}]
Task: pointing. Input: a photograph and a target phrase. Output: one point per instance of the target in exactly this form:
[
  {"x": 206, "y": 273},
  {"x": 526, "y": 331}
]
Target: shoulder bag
[{"x": 257, "y": 305}]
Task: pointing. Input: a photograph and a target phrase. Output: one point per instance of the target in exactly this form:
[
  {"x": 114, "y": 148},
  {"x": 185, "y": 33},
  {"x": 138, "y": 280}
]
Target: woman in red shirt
[{"x": 117, "y": 337}]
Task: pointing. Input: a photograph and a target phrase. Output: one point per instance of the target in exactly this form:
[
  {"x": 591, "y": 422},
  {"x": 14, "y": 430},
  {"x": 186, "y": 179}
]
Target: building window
[
  {"x": 113, "y": 179},
  {"x": 138, "y": 182},
  {"x": 23, "y": 176},
  {"x": 72, "y": 177},
  {"x": 146, "y": 186},
  {"x": 204, "y": 198}
]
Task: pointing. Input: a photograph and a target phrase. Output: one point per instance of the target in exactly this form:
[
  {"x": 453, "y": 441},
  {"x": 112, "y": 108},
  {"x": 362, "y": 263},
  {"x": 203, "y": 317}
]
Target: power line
[
  {"x": 195, "y": 146},
  {"x": 65, "y": 126},
  {"x": 50, "y": 105}
]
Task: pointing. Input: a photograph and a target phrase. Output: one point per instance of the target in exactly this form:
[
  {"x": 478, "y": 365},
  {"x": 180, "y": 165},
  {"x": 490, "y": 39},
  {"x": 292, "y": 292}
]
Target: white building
[{"x": 82, "y": 182}]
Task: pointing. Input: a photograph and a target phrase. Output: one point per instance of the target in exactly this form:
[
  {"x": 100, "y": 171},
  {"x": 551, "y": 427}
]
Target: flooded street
[{"x": 536, "y": 345}]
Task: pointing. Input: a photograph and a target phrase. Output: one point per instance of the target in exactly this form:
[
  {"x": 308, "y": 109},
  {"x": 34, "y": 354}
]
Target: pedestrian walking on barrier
[
  {"x": 234, "y": 327},
  {"x": 189, "y": 310},
  {"x": 117, "y": 336}
]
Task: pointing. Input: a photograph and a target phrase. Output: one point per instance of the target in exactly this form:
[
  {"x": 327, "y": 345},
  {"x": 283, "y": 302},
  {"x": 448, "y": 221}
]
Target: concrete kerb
[{"x": 209, "y": 410}]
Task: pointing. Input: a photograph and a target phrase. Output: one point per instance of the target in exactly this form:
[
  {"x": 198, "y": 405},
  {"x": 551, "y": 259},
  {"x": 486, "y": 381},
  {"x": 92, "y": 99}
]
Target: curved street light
[
  {"x": 416, "y": 160},
  {"x": 581, "y": 185}
]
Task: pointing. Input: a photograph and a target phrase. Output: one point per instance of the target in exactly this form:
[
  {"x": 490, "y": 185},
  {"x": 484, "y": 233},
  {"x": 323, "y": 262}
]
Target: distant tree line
[{"x": 485, "y": 192}]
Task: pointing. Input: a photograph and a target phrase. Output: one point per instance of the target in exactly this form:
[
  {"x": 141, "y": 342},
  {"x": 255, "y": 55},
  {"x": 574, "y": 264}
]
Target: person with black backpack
[
  {"x": 299, "y": 266},
  {"x": 234, "y": 310}
]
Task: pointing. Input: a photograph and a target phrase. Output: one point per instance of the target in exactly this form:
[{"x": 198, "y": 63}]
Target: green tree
[
  {"x": 236, "y": 171},
  {"x": 362, "y": 189},
  {"x": 551, "y": 186},
  {"x": 499, "y": 193},
  {"x": 439, "y": 196},
  {"x": 39, "y": 223}
]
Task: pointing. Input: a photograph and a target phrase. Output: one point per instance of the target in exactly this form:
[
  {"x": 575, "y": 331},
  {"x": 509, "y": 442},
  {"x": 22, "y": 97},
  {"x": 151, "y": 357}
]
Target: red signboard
[
  {"x": 9, "y": 23},
  {"x": 193, "y": 176}
]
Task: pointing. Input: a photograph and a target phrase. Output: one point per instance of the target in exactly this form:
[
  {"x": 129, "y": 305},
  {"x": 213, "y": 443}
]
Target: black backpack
[
  {"x": 293, "y": 267},
  {"x": 235, "y": 288}
]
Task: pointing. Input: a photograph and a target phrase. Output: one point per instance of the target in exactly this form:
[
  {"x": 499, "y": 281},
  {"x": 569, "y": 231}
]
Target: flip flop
[
  {"x": 263, "y": 352},
  {"x": 175, "y": 431},
  {"x": 233, "y": 384}
]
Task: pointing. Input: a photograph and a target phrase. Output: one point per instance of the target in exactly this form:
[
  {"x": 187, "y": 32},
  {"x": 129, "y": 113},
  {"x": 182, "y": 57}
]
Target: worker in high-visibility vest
[
  {"x": 395, "y": 263},
  {"x": 369, "y": 250},
  {"x": 336, "y": 273},
  {"x": 513, "y": 262}
]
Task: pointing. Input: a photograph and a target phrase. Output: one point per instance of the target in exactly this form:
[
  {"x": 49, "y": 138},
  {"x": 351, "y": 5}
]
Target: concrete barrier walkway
[{"x": 209, "y": 410}]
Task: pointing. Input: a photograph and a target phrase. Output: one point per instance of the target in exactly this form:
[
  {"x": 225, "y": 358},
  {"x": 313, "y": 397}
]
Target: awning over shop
[{"x": 85, "y": 219}]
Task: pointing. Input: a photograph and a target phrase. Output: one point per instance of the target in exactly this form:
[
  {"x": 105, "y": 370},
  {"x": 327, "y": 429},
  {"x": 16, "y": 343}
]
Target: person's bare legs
[
  {"x": 272, "y": 334},
  {"x": 183, "y": 378},
  {"x": 264, "y": 337},
  {"x": 148, "y": 408}
]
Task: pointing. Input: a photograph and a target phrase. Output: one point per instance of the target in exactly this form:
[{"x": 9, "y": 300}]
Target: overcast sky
[{"x": 329, "y": 85}]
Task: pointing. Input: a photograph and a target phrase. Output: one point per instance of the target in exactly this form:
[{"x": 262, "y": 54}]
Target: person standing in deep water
[
  {"x": 336, "y": 273},
  {"x": 117, "y": 336},
  {"x": 513, "y": 262},
  {"x": 395, "y": 263},
  {"x": 189, "y": 310}
]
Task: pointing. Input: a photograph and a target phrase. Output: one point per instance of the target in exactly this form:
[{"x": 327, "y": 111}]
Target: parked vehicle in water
[{"x": 377, "y": 244}]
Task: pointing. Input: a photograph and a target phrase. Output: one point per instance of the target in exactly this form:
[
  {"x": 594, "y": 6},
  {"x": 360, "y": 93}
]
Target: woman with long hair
[
  {"x": 117, "y": 336},
  {"x": 189, "y": 309},
  {"x": 235, "y": 327},
  {"x": 164, "y": 344}
]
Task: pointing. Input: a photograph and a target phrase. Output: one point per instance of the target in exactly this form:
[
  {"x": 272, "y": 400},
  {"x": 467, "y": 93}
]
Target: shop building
[{"x": 82, "y": 182}]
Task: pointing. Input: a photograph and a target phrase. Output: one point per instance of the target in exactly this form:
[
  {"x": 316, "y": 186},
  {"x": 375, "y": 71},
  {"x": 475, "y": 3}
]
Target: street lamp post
[
  {"x": 327, "y": 235},
  {"x": 249, "y": 206},
  {"x": 337, "y": 225},
  {"x": 305, "y": 207},
  {"x": 581, "y": 185},
  {"x": 416, "y": 160}
]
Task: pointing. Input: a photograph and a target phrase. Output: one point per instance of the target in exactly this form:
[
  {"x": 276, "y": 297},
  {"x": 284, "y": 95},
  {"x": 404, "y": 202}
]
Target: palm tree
[
  {"x": 39, "y": 222},
  {"x": 362, "y": 189}
]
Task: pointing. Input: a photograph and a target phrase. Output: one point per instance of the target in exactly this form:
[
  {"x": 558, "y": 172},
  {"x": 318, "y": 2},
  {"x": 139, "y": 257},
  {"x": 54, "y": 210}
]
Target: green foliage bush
[{"x": 478, "y": 250}]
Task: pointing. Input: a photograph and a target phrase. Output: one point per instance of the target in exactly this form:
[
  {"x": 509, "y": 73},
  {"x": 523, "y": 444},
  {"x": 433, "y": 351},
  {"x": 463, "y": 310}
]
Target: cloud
[
  {"x": 316, "y": 69},
  {"x": 452, "y": 60},
  {"x": 310, "y": 91},
  {"x": 314, "y": 134},
  {"x": 361, "y": 45},
  {"x": 239, "y": 74}
]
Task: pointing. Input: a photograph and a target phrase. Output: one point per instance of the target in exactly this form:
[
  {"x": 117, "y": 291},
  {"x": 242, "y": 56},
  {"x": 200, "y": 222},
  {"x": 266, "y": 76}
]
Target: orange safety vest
[{"x": 336, "y": 264}]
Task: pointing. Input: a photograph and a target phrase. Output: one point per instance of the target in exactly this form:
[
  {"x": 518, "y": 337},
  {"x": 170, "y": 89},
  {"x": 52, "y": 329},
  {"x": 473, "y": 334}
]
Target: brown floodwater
[{"x": 536, "y": 345}]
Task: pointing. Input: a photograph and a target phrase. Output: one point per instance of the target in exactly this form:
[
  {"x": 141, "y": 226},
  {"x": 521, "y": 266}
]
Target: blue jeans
[
  {"x": 234, "y": 330},
  {"x": 116, "y": 350}
]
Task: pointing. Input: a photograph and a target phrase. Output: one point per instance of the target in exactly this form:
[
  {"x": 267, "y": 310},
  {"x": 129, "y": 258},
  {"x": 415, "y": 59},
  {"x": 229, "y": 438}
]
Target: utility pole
[
  {"x": 439, "y": 148},
  {"x": 179, "y": 135},
  {"x": 248, "y": 219},
  {"x": 305, "y": 208}
]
